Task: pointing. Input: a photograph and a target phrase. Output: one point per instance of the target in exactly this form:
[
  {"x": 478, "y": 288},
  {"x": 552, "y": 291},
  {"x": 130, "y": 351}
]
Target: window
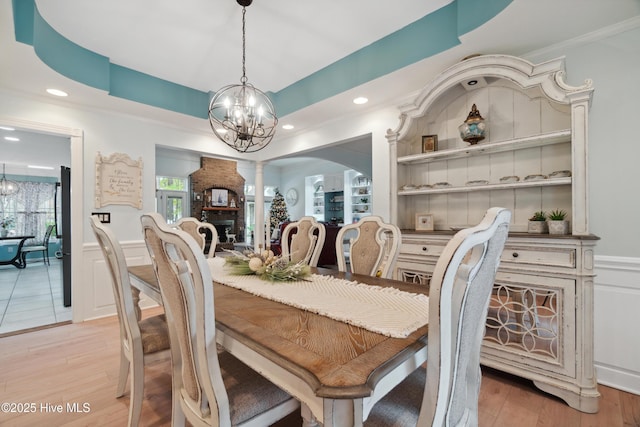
[
  {"x": 31, "y": 209},
  {"x": 171, "y": 183}
]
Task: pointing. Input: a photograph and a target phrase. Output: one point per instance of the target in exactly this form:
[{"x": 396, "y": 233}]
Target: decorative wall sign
[{"x": 118, "y": 180}]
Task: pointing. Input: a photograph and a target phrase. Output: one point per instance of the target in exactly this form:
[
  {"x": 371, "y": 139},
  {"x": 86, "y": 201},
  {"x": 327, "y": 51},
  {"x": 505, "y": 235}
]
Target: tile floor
[{"x": 32, "y": 296}]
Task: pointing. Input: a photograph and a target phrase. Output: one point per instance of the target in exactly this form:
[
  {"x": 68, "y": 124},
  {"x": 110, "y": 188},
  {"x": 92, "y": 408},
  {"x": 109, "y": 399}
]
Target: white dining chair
[
  {"x": 141, "y": 341},
  {"x": 446, "y": 392},
  {"x": 209, "y": 388},
  {"x": 374, "y": 249},
  {"x": 198, "y": 230},
  {"x": 307, "y": 241}
]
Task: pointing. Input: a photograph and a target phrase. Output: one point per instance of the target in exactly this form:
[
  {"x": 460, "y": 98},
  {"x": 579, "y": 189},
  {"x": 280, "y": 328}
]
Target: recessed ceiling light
[
  {"x": 360, "y": 100},
  {"x": 57, "y": 92},
  {"x": 287, "y": 127},
  {"x": 12, "y": 138},
  {"x": 7, "y": 128}
]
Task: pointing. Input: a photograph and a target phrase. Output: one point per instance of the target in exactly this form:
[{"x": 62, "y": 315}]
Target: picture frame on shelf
[
  {"x": 424, "y": 222},
  {"x": 219, "y": 197},
  {"x": 429, "y": 143}
]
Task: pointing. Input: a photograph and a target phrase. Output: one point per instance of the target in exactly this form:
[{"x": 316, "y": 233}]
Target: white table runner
[{"x": 387, "y": 311}]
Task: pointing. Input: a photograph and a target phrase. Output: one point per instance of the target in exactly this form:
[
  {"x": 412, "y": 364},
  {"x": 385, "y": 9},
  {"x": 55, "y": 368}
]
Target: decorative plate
[
  {"x": 560, "y": 174},
  {"x": 511, "y": 178},
  {"x": 534, "y": 177},
  {"x": 441, "y": 185},
  {"x": 477, "y": 182},
  {"x": 408, "y": 187}
]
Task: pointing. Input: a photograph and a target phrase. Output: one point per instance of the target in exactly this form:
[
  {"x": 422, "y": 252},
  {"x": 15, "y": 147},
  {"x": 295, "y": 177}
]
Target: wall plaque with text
[{"x": 118, "y": 180}]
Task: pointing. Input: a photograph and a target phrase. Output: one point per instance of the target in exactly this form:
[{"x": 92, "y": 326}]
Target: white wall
[{"x": 613, "y": 63}]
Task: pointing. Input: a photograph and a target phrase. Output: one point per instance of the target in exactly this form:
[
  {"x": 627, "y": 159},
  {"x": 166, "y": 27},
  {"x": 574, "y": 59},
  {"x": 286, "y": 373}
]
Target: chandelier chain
[{"x": 244, "y": 69}]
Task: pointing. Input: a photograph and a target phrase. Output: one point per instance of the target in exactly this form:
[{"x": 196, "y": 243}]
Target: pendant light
[
  {"x": 243, "y": 116},
  {"x": 7, "y": 186}
]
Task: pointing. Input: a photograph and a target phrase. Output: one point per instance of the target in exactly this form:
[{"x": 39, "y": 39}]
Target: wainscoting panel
[
  {"x": 616, "y": 322},
  {"x": 98, "y": 293}
]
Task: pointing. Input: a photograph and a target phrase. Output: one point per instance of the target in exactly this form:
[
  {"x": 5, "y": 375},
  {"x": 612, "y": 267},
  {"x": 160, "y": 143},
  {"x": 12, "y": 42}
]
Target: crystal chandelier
[
  {"x": 243, "y": 116},
  {"x": 7, "y": 186}
]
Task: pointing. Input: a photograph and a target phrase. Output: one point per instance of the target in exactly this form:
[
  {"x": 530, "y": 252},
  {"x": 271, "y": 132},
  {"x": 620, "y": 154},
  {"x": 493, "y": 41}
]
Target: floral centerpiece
[{"x": 266, "y": 265}]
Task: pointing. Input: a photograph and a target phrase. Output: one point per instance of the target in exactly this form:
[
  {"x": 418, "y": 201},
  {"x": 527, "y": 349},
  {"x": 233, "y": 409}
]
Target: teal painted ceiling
[{"x": 422, "y": 38}]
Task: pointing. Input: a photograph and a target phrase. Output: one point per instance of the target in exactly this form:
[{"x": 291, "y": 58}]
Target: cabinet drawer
[
  {"x": 556, "y": 257},
  {"x": 424, "y": 248}
]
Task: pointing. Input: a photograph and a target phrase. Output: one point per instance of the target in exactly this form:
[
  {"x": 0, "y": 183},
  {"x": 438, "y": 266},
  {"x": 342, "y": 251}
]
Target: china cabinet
[{"x": 533, "y": 158}]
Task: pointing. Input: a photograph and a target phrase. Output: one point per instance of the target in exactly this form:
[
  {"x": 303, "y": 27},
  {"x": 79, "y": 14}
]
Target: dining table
[
  {"x": 337, "y": 370},
  {"x": 17, "y": 260}
]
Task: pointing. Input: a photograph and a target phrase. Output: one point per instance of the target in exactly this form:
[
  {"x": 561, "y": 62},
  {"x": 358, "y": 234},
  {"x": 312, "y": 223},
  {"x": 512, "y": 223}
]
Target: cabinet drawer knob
[
  {"x": 424, "y": 248},
  {"x": 515, "y": 254}
]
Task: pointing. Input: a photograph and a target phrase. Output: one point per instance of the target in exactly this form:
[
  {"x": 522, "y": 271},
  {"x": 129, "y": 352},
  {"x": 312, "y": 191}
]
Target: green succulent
[
  {"x": 538, "y": 216},
  {"x": 557, "y": 215}
]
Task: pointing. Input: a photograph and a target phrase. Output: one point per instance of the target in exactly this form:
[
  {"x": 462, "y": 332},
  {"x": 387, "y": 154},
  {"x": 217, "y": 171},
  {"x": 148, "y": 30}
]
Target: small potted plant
[
  {"x": 538, "y": 223},
  {"x": 5, "y": 224},
  {"x": 558, "y": 224}
]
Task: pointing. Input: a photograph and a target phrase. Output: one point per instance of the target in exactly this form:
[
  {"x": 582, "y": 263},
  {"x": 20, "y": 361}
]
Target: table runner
[{"x": 387, "y": 311}]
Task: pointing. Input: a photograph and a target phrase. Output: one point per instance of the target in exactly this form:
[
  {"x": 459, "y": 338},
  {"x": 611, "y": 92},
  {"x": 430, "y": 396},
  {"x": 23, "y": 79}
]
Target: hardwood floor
[{"x": 77, "y": 364}]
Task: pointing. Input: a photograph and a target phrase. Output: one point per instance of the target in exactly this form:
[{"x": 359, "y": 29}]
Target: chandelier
[
  {"x": 7, "y": 186},
  {"x": 243, "y": 116}
]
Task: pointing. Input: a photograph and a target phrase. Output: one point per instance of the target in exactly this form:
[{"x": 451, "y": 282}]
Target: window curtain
[{"x": 34, "y": 209}]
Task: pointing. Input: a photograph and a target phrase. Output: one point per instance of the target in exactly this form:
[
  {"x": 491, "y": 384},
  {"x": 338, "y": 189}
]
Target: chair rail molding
[{"x": 616, "y": 299}]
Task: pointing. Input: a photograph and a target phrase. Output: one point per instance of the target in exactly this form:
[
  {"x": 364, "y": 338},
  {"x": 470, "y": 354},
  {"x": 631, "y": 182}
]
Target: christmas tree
[{"x": 278, "y": 212}]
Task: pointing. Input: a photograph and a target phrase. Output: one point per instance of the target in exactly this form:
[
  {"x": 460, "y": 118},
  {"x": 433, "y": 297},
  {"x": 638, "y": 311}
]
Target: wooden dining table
[{"x": 336, "y": 370}]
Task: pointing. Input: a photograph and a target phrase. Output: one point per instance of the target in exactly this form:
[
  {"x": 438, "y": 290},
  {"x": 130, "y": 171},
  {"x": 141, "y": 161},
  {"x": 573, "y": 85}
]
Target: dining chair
[
  {"x": 374, "y": 249},
  {"x": 209, "y": 388},
  {"x": 446, "y": 392},
  {"x": 40, "y": 247},
  {"x": 198, "y": 230},
  {"x": 307, "y": 240},
  {"x": 141, "y": 341}
]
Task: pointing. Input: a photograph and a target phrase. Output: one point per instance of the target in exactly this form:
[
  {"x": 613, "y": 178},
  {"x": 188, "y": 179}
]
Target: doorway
[
  {"x": 48, "y": 147},
  {"x": 172, "y": 205}
]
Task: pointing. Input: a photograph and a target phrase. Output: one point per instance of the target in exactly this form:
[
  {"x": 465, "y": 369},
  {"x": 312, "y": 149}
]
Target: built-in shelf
[
  {"x": 489, "y": 148},
  {"x": 487, "y": 187}
]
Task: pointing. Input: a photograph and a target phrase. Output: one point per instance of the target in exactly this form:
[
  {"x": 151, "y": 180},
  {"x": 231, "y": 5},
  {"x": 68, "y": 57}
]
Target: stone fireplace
[{"x": 213, "y": 177}]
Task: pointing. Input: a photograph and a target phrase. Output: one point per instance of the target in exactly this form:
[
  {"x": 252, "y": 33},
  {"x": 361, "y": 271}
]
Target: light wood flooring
[{"x": 77, "y": 364}]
